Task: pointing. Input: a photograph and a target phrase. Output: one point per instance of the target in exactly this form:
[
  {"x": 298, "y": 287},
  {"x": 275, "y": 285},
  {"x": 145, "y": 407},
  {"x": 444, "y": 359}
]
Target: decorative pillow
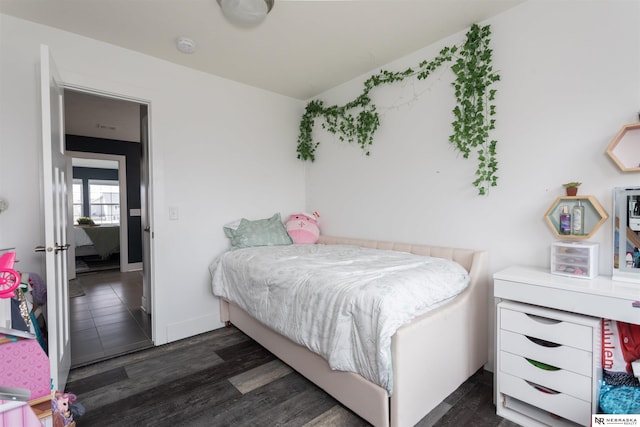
[
  {"x": 261, "y": 232},
  {"x": 303, "y": 228}
]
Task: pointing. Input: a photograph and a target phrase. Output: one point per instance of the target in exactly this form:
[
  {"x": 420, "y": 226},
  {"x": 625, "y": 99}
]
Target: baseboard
[
  {"x": 136, "y": 266},
  {"x": 145, "y": 305},
  {"x": 193, "y": 326}
]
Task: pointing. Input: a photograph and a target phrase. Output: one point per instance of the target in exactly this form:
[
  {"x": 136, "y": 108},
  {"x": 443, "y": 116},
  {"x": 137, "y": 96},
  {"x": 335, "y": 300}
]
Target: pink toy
[
  {"x": 60, "y": 407},
  {"x": 9, "y": 278},
  {"x": 303, "y": 228},
  {"x": 24, "y": 364}
]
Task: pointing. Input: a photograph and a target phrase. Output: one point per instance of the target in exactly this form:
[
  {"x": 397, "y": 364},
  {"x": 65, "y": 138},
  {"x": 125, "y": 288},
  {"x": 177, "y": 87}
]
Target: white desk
[
  {"x": 599, "y": 297},
  {"x": 557, "y": 309}
]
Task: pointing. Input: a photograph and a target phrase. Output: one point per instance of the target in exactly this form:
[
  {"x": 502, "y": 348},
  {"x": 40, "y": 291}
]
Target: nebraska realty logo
[{"x": 615, "y": 420}]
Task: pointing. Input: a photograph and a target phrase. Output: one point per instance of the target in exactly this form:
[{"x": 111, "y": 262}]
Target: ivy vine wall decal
[{"x": 471, "y": 63}]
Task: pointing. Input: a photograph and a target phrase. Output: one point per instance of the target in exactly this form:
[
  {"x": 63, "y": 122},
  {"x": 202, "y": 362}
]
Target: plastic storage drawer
[{"x": 575, "y": 259}]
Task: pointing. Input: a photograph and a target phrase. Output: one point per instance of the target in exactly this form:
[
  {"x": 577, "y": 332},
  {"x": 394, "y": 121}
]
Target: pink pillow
[{"x": 303, "y": 228}]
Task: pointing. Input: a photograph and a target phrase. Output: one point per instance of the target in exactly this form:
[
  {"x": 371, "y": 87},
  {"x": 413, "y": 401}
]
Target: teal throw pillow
[{"x": 261, "y": 232}]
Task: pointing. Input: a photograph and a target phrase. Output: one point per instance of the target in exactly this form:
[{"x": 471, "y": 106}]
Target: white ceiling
[{"x": 303, "y": 48}]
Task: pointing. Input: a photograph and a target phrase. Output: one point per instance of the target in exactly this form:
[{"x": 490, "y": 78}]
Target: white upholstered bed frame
[{"x": 432, "y": 355}]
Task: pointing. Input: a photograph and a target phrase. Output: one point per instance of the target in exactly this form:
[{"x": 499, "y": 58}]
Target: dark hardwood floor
[{"x": 223, "y": 378}]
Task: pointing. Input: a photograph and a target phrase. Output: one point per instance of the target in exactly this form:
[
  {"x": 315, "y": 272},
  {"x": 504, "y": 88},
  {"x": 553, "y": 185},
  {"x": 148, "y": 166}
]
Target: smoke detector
[{"x": 185, "y": 45}]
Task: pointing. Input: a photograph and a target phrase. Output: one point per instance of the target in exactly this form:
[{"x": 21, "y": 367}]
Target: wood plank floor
[{"x": 223, "y": 378}]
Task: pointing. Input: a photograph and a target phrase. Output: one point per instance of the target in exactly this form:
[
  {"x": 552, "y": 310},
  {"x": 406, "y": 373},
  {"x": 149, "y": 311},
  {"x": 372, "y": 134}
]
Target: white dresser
[{"x": 548, "y": 343}]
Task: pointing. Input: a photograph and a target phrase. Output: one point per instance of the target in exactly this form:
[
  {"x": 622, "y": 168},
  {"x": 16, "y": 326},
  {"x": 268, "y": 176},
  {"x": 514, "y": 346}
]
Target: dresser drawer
[
  {"x": 564, "y": 381},
  {"x": 564, "y": 357},
  {"x": 536, "y": 324},
  {"x": 560, "y": 404},
  {"x": 529, "y": 415}
]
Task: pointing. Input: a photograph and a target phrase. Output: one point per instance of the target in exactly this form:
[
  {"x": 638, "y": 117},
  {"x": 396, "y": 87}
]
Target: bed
[
  {"x": 431, "y": 355},
  {"x": 102, "y": 240}
]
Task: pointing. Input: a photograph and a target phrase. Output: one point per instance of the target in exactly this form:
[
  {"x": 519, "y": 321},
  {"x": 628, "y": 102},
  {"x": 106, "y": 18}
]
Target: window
[
  {"x": 77, "y": 199},
  {"x": 104, "y": 205}
]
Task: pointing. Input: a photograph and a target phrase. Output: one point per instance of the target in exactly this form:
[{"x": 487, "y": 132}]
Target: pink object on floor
[
  {"x": 14, "y": 414},
  {"x": 25, "y": 365}
]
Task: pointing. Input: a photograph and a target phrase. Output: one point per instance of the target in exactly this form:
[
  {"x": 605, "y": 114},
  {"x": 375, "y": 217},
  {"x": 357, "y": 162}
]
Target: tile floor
[{"x": 107, "y": 320}]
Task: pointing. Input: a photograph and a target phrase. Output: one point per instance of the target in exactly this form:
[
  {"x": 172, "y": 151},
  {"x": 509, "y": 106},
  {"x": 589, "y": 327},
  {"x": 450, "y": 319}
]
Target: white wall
[
  {"x": 219, "y": 151},
  {"x": 570, "y": 80}
]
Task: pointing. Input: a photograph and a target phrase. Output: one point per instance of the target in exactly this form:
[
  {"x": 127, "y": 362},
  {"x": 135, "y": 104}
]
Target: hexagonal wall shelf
[
  {"x": 594, "y": 215},
  {"x": 624, "y": 149}
]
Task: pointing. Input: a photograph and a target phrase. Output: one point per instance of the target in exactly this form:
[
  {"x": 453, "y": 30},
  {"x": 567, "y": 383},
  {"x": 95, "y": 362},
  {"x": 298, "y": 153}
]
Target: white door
[
  {"x": 56, "y": 215},
  {"x": 147, "y": 233}
]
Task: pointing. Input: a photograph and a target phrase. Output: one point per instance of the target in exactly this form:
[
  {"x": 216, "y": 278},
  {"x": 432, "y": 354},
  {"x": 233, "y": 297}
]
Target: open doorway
[
  {"x": 100, "y": 230},
  {"x": 107, "y": 145}
]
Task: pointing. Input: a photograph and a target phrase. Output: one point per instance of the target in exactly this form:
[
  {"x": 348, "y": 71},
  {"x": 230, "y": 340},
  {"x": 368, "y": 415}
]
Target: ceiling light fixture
[{"x": 246, "y": 13}]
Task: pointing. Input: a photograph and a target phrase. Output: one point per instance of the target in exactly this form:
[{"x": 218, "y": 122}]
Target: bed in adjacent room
[
  {"x": 391, "y": 359},
  {"x": 100, "y": 240}
]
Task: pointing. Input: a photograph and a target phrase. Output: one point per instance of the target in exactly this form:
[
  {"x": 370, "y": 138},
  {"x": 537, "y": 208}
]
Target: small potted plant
[
  {"x": 83, "y": 220},
  {"x": 572, "y": 188}
]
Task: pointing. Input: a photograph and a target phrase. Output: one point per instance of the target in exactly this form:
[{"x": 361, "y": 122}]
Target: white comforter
[
  {"x": 342, "y": 302},
  {"x": 81, "y": 237}
]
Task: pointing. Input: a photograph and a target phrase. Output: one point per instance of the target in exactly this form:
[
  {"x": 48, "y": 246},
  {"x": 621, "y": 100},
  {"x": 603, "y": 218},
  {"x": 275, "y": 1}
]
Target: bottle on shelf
[
  {"x": 577, "y": 219},
  {"x": 565, "y": 221}
]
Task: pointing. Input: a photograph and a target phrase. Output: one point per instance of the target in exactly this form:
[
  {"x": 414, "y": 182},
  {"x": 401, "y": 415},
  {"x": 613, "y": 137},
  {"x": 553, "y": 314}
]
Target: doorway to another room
[
  {"x": 99, "y": 196},
  {"x": 109, "y": 298}
]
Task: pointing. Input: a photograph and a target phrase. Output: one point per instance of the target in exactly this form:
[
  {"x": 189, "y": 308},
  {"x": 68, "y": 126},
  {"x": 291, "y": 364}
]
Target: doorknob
[
  {"x": 62, "y": 247},
  {"x": 57, "y": 248},
  {"x": 147, "y": 229}
]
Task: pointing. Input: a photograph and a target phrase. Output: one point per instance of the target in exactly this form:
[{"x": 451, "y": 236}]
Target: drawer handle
[
  {"x": 541, "y": 365},
  {"x": 542, "y": 388},
  {"x": 543, "y": 343},
  {"x": 544, "y": 320}
]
